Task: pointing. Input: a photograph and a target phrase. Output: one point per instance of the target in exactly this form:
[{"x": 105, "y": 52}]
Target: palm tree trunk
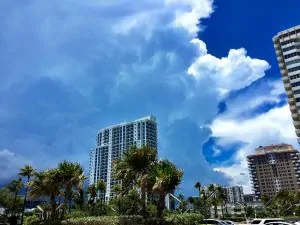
[
  {"x": 144, "y": 203},
  {"x": 24, "y": 203},
  {"x": 53, "y": 206},
  {"x": 14, "y": 205},
  {"x": 161, "y": 205},
  {"x": 70, "y": 204}
]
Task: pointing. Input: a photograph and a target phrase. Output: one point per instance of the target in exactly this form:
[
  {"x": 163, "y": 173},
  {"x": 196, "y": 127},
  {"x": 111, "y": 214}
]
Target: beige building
[
  {"x": 273, "y": 168},
  {"x": 287, "y": 47}
]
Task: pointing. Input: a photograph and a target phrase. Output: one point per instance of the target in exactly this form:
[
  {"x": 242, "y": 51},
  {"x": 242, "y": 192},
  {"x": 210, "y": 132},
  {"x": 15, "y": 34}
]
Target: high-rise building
[
  {"x": 273, "y": 168},
  {"x": 112, "y": 142},
  {"x": 287, "y": 47},
  {"x": 234, "y": 194}
]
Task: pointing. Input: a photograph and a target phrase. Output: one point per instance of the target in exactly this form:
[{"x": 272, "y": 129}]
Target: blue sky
[{"x": 69, "y": 68}]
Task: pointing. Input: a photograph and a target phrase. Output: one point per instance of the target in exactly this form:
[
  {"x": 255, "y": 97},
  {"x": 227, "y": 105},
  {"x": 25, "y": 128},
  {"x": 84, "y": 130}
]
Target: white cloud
[
  {"x": 229, "y": 73},
  {"x": 10, "y": 163},
  {"x": 189, "y": 18}
]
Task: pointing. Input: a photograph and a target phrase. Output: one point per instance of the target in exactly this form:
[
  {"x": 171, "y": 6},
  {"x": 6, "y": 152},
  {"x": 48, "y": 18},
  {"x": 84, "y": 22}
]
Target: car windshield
[{"x": 255, "y": 221}]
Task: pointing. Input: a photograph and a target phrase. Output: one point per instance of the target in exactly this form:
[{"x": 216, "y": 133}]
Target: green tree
[
  {"x": 222, "y": 197},
  {"x": 134, "y": 169},
  {"x": 212, "y": 191},
  {"x": 101, "y": 187},
  {"x": 198, "y": 187},
  {"x": 165, "y": 177},
  {"x": 47, "y": 183},
  {"x": 92, "y": 191},
  {"x": 15, "y": 186},
  {"x": 72, "y": 176},
  {"x": 27, "y": 171},
  {"x": 250, "y": 212},
  {"x": 7, "y": 201}
]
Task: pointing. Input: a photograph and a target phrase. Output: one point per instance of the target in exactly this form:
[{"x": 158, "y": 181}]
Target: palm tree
[
  {"x": 92, "y": 191},
  {"x": 166, "y": 178},
  {"x": 101, "y": 187},
  {"x": 47, "y": 183},
  {"x": 15, "y": 186},
  {"x": 212, "y": 189},
  {"x": 198, "y": 187},
  {"x": 27, "y": 171},
  {"x": 72, "y": 177},
  {"x": 117, "y": 189},
  {"x": 221, "y": 193},
  {"x": 204, "y": 197},
  {"x": 134, "y": 168}
]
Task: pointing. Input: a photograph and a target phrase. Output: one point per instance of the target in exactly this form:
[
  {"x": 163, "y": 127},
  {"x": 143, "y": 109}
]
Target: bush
[
  {"x": 76, "y": 214},
  {"x": 30, "y": 219},
  {"x": 183, "y": 219},
  {"x": 105, "y": 220}
]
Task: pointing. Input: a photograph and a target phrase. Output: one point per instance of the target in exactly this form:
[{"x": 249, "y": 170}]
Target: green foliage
[
  {"x": 106, "y": 220},
  {"x": 183, "y": 218},
  {"x": 76, "y": 214},
  {"x": 32, "y": 219}
]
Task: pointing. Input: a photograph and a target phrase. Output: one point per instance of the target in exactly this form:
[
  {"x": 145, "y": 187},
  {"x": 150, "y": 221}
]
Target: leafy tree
[
  {"x": 213, "y": 189},
  {"x": 47, "y": 183},
  {"x": 92, "y": 191},
  {"x": 135, "y": 169},
  {"x": 222, "y": 197},
  {"x": 198, "y": 187},
  {"x": 8, "y": 202},
  {"x": 250, "y": 212},
  {"x": 15, "y": 186},
  {"x": 166, "y": 178},
  {"x": 28, "y": 172},
  {"x": 72, "y": 176}
]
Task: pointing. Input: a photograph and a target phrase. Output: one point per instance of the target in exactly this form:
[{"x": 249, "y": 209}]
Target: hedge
[
  {"x": 183, "y": 219},
  {"x": 169, "y": 219}
]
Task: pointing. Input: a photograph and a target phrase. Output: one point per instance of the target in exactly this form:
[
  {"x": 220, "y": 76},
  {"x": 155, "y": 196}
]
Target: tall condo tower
[
  {"x": 287, "y": 47},
  {"x": 112, "y": 142},
  {"x": 273, "y": 168}
]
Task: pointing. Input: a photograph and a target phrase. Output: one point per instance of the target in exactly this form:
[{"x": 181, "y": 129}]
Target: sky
[{"x": 206, "y": 69}]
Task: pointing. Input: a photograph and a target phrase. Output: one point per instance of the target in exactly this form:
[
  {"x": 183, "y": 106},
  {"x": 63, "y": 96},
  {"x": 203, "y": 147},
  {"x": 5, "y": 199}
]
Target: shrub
[
  {"x": 76, "y": 214},
  {"x": 183, "y": 219},
  {"x": 103, "y": 220},
  {"x": 30, "y": 219}
]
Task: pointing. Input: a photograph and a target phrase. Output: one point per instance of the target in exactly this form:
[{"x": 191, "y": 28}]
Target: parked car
[
  {"x": 297, "y": 223},
  {"x": 229, "y": 222},
  {"x": 279, "y": 223},
  {"x": 266, "y": 220},
  {"x": 214, "y": 222}
]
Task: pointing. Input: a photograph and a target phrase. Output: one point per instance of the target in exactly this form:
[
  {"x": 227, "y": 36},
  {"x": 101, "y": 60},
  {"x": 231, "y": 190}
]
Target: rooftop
[
  {"x": 262, "y": 150},
  {"x": 149, "y": 117},
  {"x": 286, "y": 31}
]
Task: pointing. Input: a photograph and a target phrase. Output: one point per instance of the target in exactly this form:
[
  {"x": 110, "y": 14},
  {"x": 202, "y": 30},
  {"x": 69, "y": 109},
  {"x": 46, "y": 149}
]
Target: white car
[
  {"x": 297, "y": 223},
  {"x": 279, "y": 223},
  {"x": 266, "y": 221},
  {"x": 214, "y": 222},
  {"x": 229, "y": 222}
]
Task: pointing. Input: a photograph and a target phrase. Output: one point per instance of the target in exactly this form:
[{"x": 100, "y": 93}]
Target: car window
[
  {"x": 211, "y": 222},
  {"x": 255, "y": 221},
  {"x": 270, "y": 221}
]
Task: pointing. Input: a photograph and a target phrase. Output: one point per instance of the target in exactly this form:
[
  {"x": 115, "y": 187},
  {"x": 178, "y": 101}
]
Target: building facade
[
  {"x": 287, "y": 47},
  {"x": 249, "y": 198},
  {"x": 273, "y": 168},
  {"x": 234, "y": 194},
  {"x": 112, "y": 142}
]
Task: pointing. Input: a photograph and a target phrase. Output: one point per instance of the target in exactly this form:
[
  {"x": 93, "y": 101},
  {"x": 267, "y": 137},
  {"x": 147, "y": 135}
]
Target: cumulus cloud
[
  {"x": 229, "y": 73},
  {"x": 87, "y": 65}
]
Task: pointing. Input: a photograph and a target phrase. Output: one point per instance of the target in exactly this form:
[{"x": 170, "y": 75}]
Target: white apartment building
[
  {"x": 112, "y": 142},
  {"x": 287, "y": 47},
  {"x": 234, "y": 194}
]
